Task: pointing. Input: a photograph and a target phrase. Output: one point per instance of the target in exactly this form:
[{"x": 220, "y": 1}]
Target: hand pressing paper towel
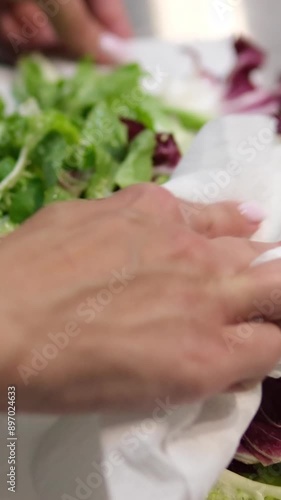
[
  {"x": 235, "y": 158},
  {"x": 174, "y": 453}
]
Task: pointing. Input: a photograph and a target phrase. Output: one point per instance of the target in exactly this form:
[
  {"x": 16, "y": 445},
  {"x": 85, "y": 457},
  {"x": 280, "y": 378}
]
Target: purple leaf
[
  {"x": 134, "y": 128},
  {"x": 262, "y": 441},
  {"x": 166, "y": 152},
  {"x": 250, "y": 57},
  {"x": 259, "y": 101}
]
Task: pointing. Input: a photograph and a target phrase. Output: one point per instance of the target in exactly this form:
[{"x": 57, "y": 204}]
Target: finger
[
  {"x": 236, "y": 254},
  {"x": 223, "y": 219},
  {"x": 25, "y": 27},
  {"x": 112, "y": 14},
  {"x": 8, "y": 26},
  {"x": 82, "y": 33},
  {"x": 252, "y": 351},
  {"x": 255, "y": 292},
  {"x": 34, "y": 25}
]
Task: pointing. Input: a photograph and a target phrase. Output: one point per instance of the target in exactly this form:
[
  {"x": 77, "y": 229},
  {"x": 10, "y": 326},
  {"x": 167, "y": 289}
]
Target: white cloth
[{"x": 170, "y": 453}]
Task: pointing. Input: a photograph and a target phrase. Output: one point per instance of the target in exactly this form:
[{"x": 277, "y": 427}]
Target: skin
[
  {"x": 165, "y": 333},
  {"x": 60, "y": 32}
]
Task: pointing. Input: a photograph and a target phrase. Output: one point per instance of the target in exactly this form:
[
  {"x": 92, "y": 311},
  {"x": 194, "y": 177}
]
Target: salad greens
[
  {"x": 235, "y": 487},
  {"x": 70, "y": 137}
]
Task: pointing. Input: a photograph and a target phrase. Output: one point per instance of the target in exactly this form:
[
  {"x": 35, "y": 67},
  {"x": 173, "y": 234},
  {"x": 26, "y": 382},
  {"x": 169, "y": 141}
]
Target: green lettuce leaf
[
  {"x": 2, "y": 108},
  {"x": 188, "y": 119},
  {"x": 80, "y": 92},
  {"x": 48, "y": 158},
  {"x": 36, "y": 79},
  {"x": 6, "y": 226},
  {"x": 138, "y": 165},
  {"x": 25, "y": 200},
  {"x": 36, "y": 129},
  {"x": 56, "y": 194},
  {"x": 13, "y": 132},
  {"x": 102, "y": 183},
  {"x": 234, "y": 487},
  {"x": 6, "y": 167},
  {"x": 104, "y": 130}
]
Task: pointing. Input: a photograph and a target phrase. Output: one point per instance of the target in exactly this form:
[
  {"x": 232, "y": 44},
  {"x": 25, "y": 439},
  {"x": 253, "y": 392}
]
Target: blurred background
[{"x": 186, "y": 19}]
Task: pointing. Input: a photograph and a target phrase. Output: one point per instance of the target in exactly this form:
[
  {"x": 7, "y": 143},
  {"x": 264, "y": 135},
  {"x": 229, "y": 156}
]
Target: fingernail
[
  {"x": 115, "y": 47},
  {"x": 252, "y": 211}
]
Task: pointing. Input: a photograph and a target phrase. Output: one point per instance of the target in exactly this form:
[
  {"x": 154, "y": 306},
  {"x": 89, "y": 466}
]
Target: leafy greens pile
[{"x": 84, "y": 136}]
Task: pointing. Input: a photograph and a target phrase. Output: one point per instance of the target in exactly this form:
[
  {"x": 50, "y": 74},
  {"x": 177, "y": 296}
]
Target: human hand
[
  {"x": 97, "y": 28},
  {"x": 108, "y": 305}
]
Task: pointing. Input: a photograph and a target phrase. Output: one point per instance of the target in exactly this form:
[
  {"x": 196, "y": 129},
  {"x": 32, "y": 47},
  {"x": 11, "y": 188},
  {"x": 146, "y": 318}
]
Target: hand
[
  {"x": 79, "y": 27},
  {"x": 111, "y": 304}
]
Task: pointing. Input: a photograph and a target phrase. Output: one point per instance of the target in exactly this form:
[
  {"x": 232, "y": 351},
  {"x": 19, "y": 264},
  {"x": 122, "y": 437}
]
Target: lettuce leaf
[
  {"x": 138, "y": 166},
  {"x": 232, "y": 486}
]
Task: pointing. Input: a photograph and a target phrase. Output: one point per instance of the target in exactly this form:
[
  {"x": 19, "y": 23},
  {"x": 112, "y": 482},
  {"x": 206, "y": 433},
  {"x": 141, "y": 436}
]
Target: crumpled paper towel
[{"x": 170, "y": 453}]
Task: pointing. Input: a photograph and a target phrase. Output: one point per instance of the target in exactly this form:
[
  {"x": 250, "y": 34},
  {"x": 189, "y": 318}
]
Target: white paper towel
[{"x": 173, "y": 453}]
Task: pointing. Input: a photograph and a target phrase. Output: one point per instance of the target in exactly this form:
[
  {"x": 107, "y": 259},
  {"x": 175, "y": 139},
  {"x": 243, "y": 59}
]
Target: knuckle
[
  {"x": 187, "y": 245},
  {"x": 160, "y": 196}
]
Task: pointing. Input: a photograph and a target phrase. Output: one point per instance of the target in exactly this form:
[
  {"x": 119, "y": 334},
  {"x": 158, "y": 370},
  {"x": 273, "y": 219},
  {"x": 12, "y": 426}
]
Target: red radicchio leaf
[
  {"x": 243, "y": 455},
  {"x": 260, "y": 101},
  {"x": 166, "y": 152},
  {"x": 134, "y": 128},
  {"x": 262, "y": 441},
  {"x": 250, "y": 57}
]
